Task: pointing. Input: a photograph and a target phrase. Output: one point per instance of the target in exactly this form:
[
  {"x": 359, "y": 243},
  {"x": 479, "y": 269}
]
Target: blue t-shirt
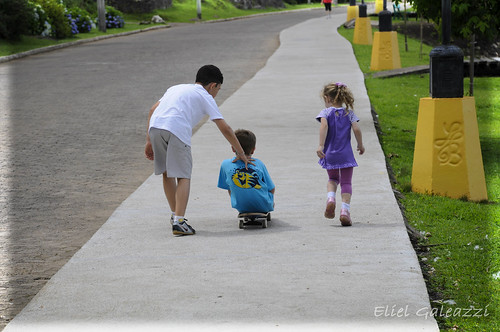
[{"x": 249, "y": 187}]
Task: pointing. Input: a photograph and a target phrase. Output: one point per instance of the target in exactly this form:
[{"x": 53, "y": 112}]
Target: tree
[
  {"x": 478, "y": 17},
  {"x": 15, "y": 18},
  {"x": 476, "y": 21}
]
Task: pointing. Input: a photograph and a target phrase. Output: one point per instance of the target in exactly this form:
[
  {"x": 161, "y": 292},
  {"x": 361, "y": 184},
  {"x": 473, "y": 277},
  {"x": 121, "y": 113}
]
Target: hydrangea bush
[
  {"x": 80, "y": 20},
  {"x": 114, "y": 18},
  {"x": 49, "y": 18},
  {"x": 56, "y": 17},
  {"x": 39, "y": 22}
]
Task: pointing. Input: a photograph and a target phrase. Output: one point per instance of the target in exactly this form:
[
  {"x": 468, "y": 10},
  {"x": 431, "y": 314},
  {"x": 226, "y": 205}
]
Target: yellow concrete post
[
  {"x": 379, "y": 6},
  {"x": 447, "y": 159},
  {"x": 352, "y": 12},
  {"x": 363, "y": 31},
  {"x": 385, "y": 51}
]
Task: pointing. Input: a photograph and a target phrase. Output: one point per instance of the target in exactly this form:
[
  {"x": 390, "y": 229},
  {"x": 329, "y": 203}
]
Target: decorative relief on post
[
  {"x": 449, "y": 147},
  {"x": 385, "y": 50}
]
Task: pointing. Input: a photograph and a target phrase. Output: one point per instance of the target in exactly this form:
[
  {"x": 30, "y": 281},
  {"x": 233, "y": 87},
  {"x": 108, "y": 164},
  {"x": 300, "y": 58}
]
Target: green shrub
[
  {"x": 15, "y": 18},
  {"x": 89, "y": 6},
  {"x": 60, "y": 27},
  {"x": 38, "y": 23},
  {"x": 114, "y": 18},
  {"x": 81, "y": 19}
]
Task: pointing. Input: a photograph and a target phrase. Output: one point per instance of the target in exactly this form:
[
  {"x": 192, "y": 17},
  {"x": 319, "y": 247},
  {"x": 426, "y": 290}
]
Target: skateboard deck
[{"x": 254, "y": 219}]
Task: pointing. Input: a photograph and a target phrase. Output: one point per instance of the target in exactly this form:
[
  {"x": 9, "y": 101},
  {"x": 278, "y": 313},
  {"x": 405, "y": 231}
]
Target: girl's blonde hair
[{"x": 339, "y": 93}]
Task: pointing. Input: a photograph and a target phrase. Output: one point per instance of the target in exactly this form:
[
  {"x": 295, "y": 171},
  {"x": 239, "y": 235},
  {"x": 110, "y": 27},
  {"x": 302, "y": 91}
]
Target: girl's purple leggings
[{"x": 342, "y": 176}]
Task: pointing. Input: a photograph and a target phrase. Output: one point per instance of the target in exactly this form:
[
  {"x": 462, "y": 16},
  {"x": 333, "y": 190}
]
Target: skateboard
[{"x": 254, "y": 219}]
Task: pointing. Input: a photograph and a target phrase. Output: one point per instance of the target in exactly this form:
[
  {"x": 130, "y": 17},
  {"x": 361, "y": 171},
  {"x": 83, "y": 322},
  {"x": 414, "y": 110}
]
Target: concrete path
[{"x": 302, "y": 273}]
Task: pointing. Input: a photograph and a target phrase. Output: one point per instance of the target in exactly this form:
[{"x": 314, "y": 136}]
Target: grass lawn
[
  {"x": 460, "y": 255},
  {"x": 28, "y": 43}
]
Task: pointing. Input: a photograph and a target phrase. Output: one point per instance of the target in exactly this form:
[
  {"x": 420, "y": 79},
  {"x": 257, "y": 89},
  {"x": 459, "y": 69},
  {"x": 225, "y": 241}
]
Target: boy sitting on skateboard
[{"x": 251, "y": 190}]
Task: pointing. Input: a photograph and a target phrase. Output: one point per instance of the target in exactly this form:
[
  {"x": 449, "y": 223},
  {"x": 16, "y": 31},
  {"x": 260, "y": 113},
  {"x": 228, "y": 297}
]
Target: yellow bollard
[
  {"x": 385, "y": 51},
  {"x": 379, "y": 6},
  {"x": 363, "y": 31},
  {"x": 447, "y": 160},
  {"x": 352, "y": 13}
]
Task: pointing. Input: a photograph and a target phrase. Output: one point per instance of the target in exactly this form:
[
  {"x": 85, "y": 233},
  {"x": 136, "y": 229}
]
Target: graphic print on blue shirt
[
  {"x": 246, "y": 178},
  {"x": 250, "y": 188}
]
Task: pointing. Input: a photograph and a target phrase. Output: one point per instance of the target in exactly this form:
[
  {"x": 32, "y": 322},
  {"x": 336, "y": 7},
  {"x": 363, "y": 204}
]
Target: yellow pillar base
[
  {"x": 385, "y": 51},
  {"x": 352, "y": 12},
  {"x": 363, "y": 31},
  {"x": 379, "y": 6},
  {"x": 447, "y": 160}
]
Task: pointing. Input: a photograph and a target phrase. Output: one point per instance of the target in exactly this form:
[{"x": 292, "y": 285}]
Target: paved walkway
[{"x": 303, "y": 272}]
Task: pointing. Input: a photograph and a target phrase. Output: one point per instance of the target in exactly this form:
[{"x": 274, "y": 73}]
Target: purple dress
[{"x": 338, "y": 150}]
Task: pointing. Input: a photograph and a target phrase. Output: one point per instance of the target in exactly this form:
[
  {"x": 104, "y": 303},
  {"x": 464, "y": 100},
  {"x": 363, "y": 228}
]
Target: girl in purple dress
[{"x": 335, "y": 151}]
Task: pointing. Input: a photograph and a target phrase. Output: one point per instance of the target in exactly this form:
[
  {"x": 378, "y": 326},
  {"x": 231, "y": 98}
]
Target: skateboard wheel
[{"x": 241, "y": 224}]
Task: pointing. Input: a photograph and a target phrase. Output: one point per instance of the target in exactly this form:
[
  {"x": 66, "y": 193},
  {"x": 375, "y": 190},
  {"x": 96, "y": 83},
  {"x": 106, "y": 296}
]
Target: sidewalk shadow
[{"x": 274, "y": 226}]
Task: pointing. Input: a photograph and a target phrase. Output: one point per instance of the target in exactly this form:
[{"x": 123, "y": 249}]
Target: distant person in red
[{"x": 328, "y": 7}]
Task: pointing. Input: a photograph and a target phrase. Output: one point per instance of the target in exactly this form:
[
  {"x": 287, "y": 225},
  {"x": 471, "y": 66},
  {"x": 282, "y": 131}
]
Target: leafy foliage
[
  {"x": 15, "y": 18},
  {"x": 38, "y": 24},
  {"x": 479, "y": 17},
  {"x": 114, "y": 18},
  {"x": 81, "y": 20},
  {"x": 88, "y": 6},
  {"x": 57, "y": 18}
]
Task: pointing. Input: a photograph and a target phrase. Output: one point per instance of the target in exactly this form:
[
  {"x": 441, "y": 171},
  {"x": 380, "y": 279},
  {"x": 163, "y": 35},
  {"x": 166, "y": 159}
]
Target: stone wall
[{"x": 139, "y": 6}]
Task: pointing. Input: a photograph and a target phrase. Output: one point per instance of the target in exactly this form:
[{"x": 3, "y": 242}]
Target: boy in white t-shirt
[{"x": 168, "y": 141}]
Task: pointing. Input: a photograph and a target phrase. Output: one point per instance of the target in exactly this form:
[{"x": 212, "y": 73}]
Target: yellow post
[
  {"x": 447, "y": 160},
  {"x": 352, "y": 12},
  {"x": 385, "y": 51},
  {"x": 363, "y": 31},
  {"x": 379, "y": 6}
]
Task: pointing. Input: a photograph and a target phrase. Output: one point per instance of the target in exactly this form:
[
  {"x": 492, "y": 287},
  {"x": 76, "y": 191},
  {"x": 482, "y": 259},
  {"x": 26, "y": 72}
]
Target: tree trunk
[
  {"x": 471, "y": 64},
  {"x": 101, "y": 14},
  {"x": 421, "y": 35},
  {"x": 405, "y": 18}
]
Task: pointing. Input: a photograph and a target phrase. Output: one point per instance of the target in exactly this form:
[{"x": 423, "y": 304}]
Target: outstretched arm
[
  {"x": 228, "y": 133},
  {"x": 148, "y": 150}
]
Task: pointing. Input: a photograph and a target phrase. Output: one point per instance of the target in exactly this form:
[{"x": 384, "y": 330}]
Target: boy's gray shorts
[{"x": 171, "y": 154}]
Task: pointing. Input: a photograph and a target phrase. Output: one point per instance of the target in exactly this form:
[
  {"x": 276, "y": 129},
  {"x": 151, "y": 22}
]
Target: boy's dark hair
[
  {"x": 209, "y": 74},
  {"x": 247, "y": 140}
]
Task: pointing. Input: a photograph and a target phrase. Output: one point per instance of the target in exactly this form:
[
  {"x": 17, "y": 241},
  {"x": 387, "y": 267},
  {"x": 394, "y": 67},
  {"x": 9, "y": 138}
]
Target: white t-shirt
[{"x": 181, "y": 108}]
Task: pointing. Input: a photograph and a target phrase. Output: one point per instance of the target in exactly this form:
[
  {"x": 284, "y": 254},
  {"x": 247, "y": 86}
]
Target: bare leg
[
  {"x": 170, "y": 187},
  {"x": 346, "y": 198},
  {"x": 182, "y": 196},
  {"x": 331, "y": 186}
]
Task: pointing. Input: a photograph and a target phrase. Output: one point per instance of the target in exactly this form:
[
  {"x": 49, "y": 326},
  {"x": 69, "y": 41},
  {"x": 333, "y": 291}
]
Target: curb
[
  {"x": 74, "y": 43},
  {"x": 401, "y": 71}
]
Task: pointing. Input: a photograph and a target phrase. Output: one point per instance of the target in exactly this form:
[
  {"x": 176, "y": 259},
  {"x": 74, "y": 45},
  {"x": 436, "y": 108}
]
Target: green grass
[
  {"x": 408, "y": 59},
  {"x": 185, "y": 11},
  {"x": 460, "y": 255},
  {"x": 28, "y": 43}
]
